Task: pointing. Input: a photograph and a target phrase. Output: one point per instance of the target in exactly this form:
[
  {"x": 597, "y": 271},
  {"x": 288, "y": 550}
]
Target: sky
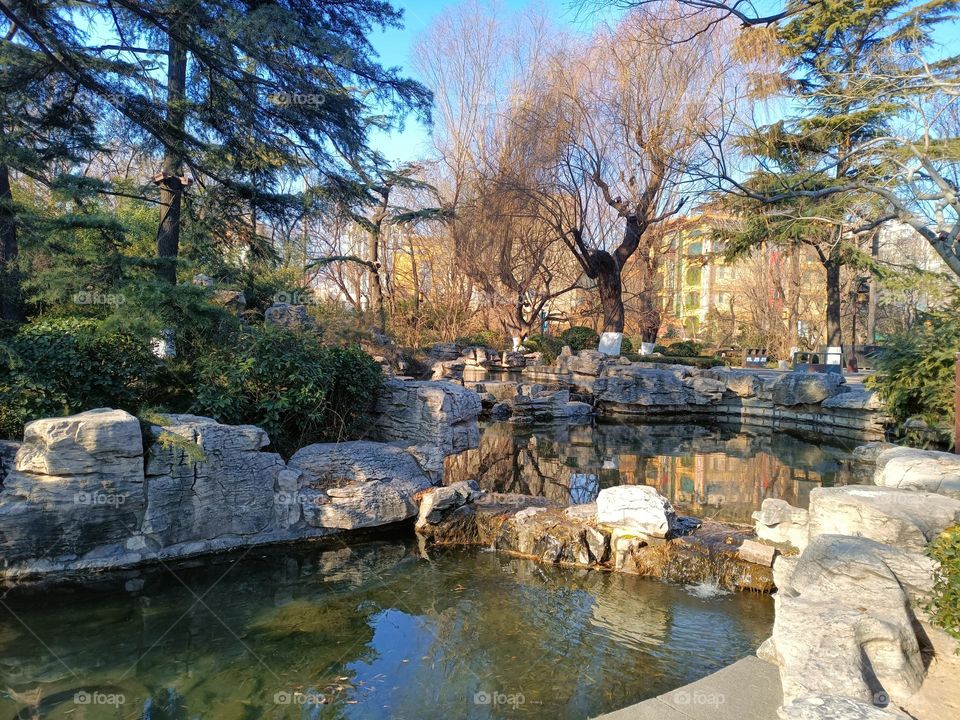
[{"x": 395, "y": 48}]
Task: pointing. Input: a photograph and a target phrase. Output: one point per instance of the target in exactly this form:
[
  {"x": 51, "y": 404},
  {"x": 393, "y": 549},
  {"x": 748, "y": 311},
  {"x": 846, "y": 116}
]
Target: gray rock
[
  {"x": 639, "y": 508},
  {"x": 832, "y": 707},
  {"x": 913, "y": 469},
  {"x": 206, "y": 480},
  {"x": 435, "y": 502},
  {"x": 859, "y": 399},
  {"x": 232, "y": 300},
  {"x": 844, "y": 621},
  {"x": 358, "y": 484},
  {"x": 796, "y": 388},
  {"x": 869, "y": 452},
  {"x": 779, "y": 522},
  {"x": 289, "y": 316},
  {"x": 441, "y": 414},
  {"x": 903, "y": 518},
  {"x": 77, "y": 486}
]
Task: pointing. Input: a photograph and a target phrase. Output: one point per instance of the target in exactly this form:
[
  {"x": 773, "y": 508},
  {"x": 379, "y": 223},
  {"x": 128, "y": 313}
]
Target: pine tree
[{"x": 235, "y": 95}]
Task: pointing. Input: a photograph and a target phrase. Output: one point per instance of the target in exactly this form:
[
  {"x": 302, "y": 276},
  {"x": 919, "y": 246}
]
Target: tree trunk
[
  {"x": 376, "y": 287},
  {"x": 11, "y": 302},
  {"x": 610, "y": 286},
  {"x": 874, "y": 294},
  {"x": 834, "y": 337},
  {"x": 793, "y": 299},
  {"x": 171, "y": 188}
]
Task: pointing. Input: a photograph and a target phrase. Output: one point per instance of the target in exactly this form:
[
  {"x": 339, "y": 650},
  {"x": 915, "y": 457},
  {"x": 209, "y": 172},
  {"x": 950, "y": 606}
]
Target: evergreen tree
[
  {"x": 231, "y": 94},
  {"x": 816, "y": 169}
]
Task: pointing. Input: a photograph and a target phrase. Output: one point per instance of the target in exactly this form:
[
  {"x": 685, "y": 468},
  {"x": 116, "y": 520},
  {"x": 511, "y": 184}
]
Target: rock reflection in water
[
  {"x": 373, "y": 631},
  {"x": 708, "y": 471}
]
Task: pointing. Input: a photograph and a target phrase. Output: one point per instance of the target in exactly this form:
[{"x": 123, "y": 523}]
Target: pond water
[
  {"x": 712, "y": 471},
  {"x": 368, "y": 631}
]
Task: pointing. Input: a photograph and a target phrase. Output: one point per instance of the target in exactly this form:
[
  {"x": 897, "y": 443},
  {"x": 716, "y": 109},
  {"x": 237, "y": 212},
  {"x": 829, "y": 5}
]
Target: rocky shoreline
[{"x": 95, "y": 492}]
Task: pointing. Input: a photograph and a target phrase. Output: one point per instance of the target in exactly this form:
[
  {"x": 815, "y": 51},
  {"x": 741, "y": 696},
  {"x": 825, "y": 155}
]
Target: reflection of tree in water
[{"x": 713, "y": 471}]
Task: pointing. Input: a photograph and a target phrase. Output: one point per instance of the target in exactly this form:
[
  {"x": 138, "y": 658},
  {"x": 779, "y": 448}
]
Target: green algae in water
[{"x": 370, "y": 631}]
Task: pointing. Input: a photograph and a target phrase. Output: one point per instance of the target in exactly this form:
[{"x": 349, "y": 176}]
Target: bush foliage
[
  {"x": 67, "y": 365},
  {"x": 580, "y": 338},
  {"x": 916, "y": 369},
  {"x": 945, "y": 604},
  {"x": 290, "y": 385}
]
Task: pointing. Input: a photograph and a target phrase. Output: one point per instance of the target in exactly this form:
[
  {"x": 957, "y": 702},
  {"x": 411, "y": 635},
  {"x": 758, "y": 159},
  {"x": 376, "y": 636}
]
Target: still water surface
[
  {"x": 706, "y": 470},
  {"x": 369, "y": 631}
]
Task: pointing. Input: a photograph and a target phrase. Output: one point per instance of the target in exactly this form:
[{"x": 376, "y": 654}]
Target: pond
[
  {"x": 367, "y": 631},
  {"x": 711, "y": 471}
]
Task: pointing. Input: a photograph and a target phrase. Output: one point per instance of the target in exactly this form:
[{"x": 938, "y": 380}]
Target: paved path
[{"x": 747, "y": 690}]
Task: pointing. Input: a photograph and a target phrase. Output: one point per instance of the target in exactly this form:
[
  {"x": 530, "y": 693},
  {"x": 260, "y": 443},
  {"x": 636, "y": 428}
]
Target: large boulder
[
  {"x": 436, "y": 502},
  {"x": 440, "y": 414},
  {"x": 357, "y": 484},
  {"x": 624, "y": 387},
  {"x": 844, "y": 621},
  {"x": 796, "y": 388},
  {"x": 637, "y": 507},
  {"x": 206, "y": 480},
  {"x": 289, "y": 316},
  {"x": 912, "y": 469},
  {"x": 76, "y": 486},
  {"x": 859, "y": 399},
  {"x": 779, "y": 522},
  {"x": 902, "y": 518}
]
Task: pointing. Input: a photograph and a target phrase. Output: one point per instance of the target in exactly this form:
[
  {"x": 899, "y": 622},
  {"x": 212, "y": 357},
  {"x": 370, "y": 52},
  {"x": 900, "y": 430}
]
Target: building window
[
  {"x": 723, "y": 298},
  {"x": 693, "y": 276},
  {"x": 693, "y": 301}
]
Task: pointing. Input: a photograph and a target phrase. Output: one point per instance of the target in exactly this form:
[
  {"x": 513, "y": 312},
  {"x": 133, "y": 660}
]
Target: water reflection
[
  {"x": 709, "y": 471},
  {"x": 368, "y": 632}
]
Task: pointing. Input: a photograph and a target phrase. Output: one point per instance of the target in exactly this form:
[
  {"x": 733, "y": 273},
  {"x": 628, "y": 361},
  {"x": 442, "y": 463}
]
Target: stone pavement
[{"x": 749, "y": 689}]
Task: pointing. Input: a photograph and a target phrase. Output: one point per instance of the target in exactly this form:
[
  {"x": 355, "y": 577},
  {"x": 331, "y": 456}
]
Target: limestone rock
[
  {"x": 755, "y": 552},
  {"x": 586, "y": 362},
  {"x": 232, "y": 300},
  {"x": 289, "y": 316},
  {"x": 540, "y": 403},
  {"x": 744, "y": 384},
  {"x": 441, "y": 414},
  {"x": 779, "y": 522},
  {"x": 447, "y": 370},
  {"x": 913, "y": 469},
  {"x": 88, "y": 442},
  {"x": 832, "y": 707},
  {"x": 869, "y": 452},
  {"x": 434, "y": 502},
  {"x": 844, "y": 621},
  {"x": 358, "y": 484},
  {"x": 76, "y": 486},
  {"x": 206, "y": 480},
  {"x": 638, "y": 507},
  {"x": 796, "y": 388},
  {"x": 903, "y": 518},
  {"x": 859, "y": 399},
  {"x": 631, "y": 385}
]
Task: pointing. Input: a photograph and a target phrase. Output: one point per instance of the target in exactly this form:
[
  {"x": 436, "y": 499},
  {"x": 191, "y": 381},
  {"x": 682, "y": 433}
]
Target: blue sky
[{"x": 395, "y": 47}]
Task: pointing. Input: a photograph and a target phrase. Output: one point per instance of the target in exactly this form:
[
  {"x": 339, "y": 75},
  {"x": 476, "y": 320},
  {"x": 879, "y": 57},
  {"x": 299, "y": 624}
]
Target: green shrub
[
  {"x": 580, "y": 338},
  {"x": 944, "y": 606},
  {"x": 626, "y": 346},
  {"x": 484, "y": 338},
  {"x": 549, "y": 346},
  {"x": 67, "y": 365},
  {"x": 682, "y": 348},
  {"x": 916, "y": 368},
  {"x": 290, "y": 385}
]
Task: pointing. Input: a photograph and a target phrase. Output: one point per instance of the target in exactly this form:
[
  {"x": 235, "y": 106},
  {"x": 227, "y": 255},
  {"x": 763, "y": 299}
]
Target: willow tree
[{"x": 631, "y": 113}]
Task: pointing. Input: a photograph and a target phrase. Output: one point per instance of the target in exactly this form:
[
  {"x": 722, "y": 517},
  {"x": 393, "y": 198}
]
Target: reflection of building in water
[{"x": 705, "y": 471}]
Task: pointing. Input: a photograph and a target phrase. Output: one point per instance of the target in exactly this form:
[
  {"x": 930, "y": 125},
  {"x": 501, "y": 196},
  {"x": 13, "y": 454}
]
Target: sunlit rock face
[
  {"x": 844, "y": 621},
  {"x": 77, "y": 485},
  {"x": 806, "y": 388},
  {"x": 902, "y": 518},
  {"x": 912, "y": 469},
  {"x": 357, "y": 484}
]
